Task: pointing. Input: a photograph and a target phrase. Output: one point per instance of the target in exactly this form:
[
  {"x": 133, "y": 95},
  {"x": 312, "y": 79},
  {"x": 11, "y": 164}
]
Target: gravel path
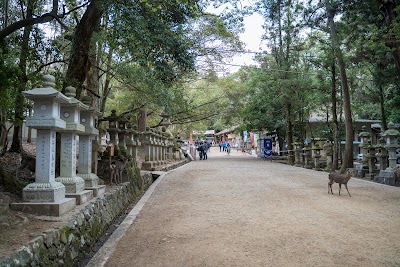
[{"x": 241, "y": 211}]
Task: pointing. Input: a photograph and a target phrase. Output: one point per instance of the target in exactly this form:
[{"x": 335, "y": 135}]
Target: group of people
[
  {"x": 225, "y": 146},
  {"x": 203, "y": 148}
]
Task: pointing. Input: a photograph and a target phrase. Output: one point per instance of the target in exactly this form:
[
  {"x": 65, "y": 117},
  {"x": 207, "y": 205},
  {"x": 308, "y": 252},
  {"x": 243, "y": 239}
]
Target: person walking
[
  {"x": 201, "y": 151},
  {"x": 205, "y": 149},
  {"x": 228, "y": 148},
  {"x": 220, "y": 146}
]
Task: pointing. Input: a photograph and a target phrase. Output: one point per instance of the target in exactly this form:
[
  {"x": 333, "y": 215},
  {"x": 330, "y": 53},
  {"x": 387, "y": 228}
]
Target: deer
[
  {"x": 117, "y": 168},
  {"x": 339, "y": 178}
]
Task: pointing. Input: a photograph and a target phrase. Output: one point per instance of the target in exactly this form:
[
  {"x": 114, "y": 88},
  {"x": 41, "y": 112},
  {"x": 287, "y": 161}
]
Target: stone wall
[{"x": 68, "y": 245}]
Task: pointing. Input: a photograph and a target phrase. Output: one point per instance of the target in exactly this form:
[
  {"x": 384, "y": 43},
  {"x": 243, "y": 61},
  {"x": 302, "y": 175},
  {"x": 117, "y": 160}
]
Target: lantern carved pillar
[{"x": 387, "y": 176}]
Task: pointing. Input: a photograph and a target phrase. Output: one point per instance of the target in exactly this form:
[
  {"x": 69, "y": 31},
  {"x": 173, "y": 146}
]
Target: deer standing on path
[{"x": 339, "y": 178}]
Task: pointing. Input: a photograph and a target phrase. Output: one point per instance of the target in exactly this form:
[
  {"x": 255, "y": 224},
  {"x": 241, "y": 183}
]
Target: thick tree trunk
[
  {"x": 348, "y": 157},
  {"x": 16, "y": 145},
  {"x": 79, "y": 63},
  {"x": 335, "y": 163}
]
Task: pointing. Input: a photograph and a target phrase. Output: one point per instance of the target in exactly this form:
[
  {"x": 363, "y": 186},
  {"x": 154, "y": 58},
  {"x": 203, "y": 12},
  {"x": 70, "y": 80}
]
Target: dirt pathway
[{"x": 240, "y": 211}]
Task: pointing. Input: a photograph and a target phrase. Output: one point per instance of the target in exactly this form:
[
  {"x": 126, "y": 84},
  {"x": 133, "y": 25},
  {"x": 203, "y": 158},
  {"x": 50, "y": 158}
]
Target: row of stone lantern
[
  {"x": 158, "y": 145},
  {"x": 158, "y": 148},
  {"x": 384, "y": 152},
  {"x": 55, "y": 112},
  {"x": 310, "y": 157}
]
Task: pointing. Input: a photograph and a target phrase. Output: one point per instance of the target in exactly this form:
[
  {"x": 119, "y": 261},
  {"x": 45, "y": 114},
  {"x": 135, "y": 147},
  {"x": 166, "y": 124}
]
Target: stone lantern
[
  {"x": 362, "y": 168},
  {"x": 147, "y": 141},
  {"x": 307, "y": 157},
  {"x": 328, "y": 149},
  {"x": 391, "y": 135},
  {"x": 298, "y": 159},
  {"x": 382, "y": 155},
  {"x": 317, "y": 155},
  {"x": 86, "y": 150},
  {"x": 70, "y": 113},
  {"x": 123, "y": 131},
  {"x": 136, "y": 138},
  {"x": 113, "y": 128},
  {"x": 130, "y": 141},
  {"x": 371, "y": 158},
  {"x": 166, "y": 122},
  {"x": 45, "y": 196},
  {"x": 387, "y": 176}
]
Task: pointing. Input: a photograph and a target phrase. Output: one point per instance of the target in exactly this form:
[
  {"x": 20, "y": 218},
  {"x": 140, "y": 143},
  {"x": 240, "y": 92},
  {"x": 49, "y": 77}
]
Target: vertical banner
[
  {"x": 245, "y": 136},
  {"x": 266, "y": 150},
  {"x": 256, "y": 138}
]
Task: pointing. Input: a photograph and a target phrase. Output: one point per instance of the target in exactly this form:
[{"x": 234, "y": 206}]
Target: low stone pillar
[
  {"x": 70, "y": 113},
  {"x": 387, "y": 176},
  {"x": 86, "y": 150},
  {"x": 45, "y": 196}
]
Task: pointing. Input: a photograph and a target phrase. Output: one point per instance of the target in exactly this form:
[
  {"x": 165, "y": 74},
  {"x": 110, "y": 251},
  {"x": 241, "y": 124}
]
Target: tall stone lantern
[
  {"x": 382, "y": 154},
  {"x": 391, "y": 135},
  {"x": 317, "y": 155},
  {"x": 328, "y": 148},
  {"x": 86, "y": 139},
  {"x": 362, "y": 168},
  {"x": 166, "y": 122},
  {"x": 45, "y": 196},
  {"x": 70, "y": 113}
]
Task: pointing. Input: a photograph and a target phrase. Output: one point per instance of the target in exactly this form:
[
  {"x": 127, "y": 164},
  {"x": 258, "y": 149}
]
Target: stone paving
[{"x": 242, "y": 211}]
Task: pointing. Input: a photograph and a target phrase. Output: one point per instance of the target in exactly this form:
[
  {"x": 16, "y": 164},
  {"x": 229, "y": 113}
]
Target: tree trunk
[
  {"x": 348, "y": 157},
  {"x": 107, "y": 82},
  {"x": 382, "y": 108},
  {"x": 3, "y": 129},
  {"x": 335, "y": 122},
  {"x": 289, "y": 131},
  {"x": 16, "y": 145},
  {"x": 79, "y": 63}
]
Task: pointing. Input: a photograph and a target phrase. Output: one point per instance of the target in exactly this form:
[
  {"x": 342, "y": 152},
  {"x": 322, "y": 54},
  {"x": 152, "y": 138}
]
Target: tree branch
[{"x": 47, "y": 17}]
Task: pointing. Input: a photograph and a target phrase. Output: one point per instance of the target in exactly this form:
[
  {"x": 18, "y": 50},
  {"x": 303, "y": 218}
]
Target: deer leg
[
  {"x": 347, "y": 189},
  {"x": 330, "y": 186},
  {"x": 340, "y": 186}
]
